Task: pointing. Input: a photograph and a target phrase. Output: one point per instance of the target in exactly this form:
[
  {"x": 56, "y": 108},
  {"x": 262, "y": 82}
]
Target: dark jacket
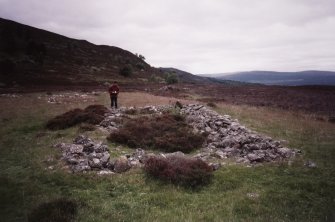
[{"x": 114, "y": 90}]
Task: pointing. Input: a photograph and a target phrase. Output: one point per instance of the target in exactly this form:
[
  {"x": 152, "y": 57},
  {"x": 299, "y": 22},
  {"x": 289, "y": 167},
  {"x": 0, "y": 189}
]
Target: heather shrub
[
  {"x": 166, "y": 132},
  {"x": 126, "y": 71},
  {"x": 179, "y": 170},
  {"x": 61, "y": 210},
  {"x": 93, "y": 114},
  {"x": 97, "y": 109},
  {"x": 171, "y": 78}
]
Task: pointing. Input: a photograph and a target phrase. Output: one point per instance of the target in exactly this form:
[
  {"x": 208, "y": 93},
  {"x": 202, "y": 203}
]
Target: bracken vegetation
[
  {"x": 179, "y": 170},
  {"x": 166, "y": 132},
  {"x": 93, "y": 114}
]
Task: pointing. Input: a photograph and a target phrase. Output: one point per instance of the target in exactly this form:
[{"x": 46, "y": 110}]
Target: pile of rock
[
  {"x": 114, "y": 119},
  {"x": 228, "y": 138},
  {"x": 86, "y": 155}
]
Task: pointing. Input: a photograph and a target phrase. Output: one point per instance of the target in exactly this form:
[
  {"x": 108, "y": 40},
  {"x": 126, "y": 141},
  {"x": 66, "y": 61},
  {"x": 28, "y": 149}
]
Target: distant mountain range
[
  {"x": 312, "y": 77},
  {"x": 186, "y": 77}
]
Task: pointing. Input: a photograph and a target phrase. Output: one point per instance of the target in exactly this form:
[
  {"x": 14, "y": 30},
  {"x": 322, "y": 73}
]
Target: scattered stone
[
  {"x": 285, "y": 152},
  {"x": 253, "y": 195},
  {"x": 121, "y": 165},
  {"x": 75, "y": 149},
  {"x": 85, "y": 154},
  {"x": 242, "y": 160},
  {"x": 310, "y": 164},
  {"x": 174, "y": 154},
  {"x": 105, "y": 158},
  {"x": 219, "y": 154},
  {"x": 95, "y": 163},
  {"x": 215, "y": 166},
  {"x": 105, "y": 172},
  {"x": 254, "y": 157}
]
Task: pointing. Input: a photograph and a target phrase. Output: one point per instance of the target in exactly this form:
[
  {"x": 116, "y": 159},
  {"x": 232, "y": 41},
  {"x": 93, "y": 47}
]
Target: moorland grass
[{"x": 273, "y": 192}]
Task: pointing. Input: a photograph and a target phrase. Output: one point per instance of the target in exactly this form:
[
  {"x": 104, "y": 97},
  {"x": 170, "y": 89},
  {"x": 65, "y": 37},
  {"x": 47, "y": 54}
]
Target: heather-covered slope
[{"x": 30, "y": 56}]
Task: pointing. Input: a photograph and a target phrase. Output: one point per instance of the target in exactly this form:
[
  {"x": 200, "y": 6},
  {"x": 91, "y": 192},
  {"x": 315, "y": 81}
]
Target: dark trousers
[{"x": 113, "y": 101}]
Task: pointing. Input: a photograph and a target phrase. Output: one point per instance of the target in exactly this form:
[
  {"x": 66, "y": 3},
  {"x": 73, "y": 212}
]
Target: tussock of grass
[
  {"x": 93, "y": 114},
  {"x": 86, "y": 127},
  {"x": 179, "y": 170},
  {"x": 61, "y": 210},
  {"x": 167, "y": 132},
  {"x": 211, "y": 104}
]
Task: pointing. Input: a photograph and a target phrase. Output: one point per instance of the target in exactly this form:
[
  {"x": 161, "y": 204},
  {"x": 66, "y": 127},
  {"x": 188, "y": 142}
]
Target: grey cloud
[{"x": 198, "y": 36}]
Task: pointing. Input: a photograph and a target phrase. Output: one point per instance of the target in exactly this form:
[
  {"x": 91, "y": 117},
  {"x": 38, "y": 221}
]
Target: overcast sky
[{"x": 199, "y": 36}]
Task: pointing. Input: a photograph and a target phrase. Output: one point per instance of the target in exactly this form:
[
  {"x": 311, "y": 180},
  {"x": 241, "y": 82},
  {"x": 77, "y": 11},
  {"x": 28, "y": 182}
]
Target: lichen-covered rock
[
  {"x": 252, "y": 157},
  {"x": 85, "y": 154},
  {"x": 95, "y": 163},
  {"x": 121, "y": 165}
]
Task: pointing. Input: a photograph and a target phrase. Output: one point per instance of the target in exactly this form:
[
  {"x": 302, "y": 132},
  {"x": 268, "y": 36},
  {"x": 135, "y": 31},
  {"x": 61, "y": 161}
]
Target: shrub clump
[
  {"x": 179, "y": 170},
  {"x": 211, "y": 104},
  {"x": 126, "y": 71},
  {"x": 93, "y": 114},
  {"x": 171, "y": 78},
  {"x": 60, "y": 210},
  {"x": 166, "y": 132}
]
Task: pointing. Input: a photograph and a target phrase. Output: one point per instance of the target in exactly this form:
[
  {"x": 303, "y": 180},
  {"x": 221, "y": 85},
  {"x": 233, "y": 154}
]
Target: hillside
[
  {"x": 312, "y": 77},
  {"x": 31, "y": 56},
  {"x": 187, "y": 77}
]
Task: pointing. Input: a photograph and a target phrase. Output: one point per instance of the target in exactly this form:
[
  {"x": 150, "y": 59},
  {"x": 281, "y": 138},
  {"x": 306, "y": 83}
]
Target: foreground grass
[{"x": 275, "y": 192}]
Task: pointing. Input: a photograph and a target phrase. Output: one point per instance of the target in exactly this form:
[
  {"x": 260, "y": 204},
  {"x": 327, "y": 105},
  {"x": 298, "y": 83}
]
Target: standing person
[{"x": 113, "y": 92}]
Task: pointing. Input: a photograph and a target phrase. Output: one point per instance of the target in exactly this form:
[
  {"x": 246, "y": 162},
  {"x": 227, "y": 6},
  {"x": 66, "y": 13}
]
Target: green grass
[{"x": 287, "y": 192}]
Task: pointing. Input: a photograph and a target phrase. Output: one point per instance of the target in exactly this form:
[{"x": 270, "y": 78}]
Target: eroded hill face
[{"x": 31, "y": 56}]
